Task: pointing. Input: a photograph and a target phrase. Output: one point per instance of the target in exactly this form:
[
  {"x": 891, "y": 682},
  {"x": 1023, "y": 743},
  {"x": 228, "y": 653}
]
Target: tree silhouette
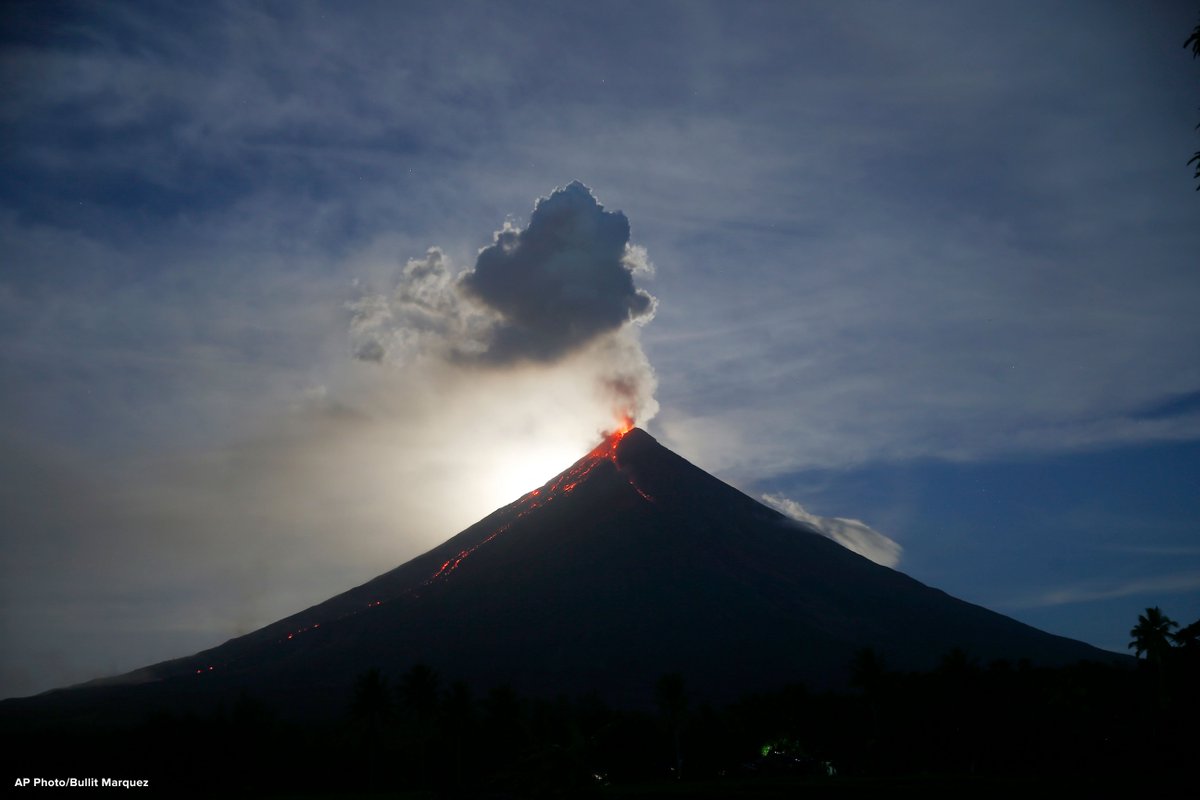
[
  {"x": 418, "y": 696},
  {"x": 370, "y": 718},
  {"x": 672, "y": 703},
  {"x": 459, "y": 711},
  {"x": 504, "y": 729},
  {"x": 867, "y": 672},
  {"x": 1188, "y": 638},
  {"x": 1150, "y": 635},
  {"x": 418, "y": 693},
  {"x": 1193, "y": 43},
  {"x": 370, "y": 705}
]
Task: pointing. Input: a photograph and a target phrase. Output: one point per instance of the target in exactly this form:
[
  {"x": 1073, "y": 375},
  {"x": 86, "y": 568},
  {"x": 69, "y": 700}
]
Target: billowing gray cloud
[
  {"x": 424, "y": 315},
  {"x": 561, "y": 282},
  {"x": 852, "y": 534},
  {"x": 561, "y": 286}
]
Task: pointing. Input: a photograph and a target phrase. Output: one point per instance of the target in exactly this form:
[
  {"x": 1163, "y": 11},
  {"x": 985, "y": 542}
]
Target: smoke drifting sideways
[
  {"x": 558, "y": 293},
  {"x": 852, "y": 534}
]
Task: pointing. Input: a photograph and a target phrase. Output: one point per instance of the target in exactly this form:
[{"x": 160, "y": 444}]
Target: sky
[{"x": 292, "y": 292}]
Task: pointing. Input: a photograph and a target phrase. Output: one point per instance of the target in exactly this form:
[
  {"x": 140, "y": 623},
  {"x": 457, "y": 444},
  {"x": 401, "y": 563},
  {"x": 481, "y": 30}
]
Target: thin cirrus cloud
[{"x": 1172, "y": 583}]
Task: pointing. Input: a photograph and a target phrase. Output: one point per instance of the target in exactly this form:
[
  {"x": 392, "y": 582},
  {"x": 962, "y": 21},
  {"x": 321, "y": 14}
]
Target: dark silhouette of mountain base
[{"x": 631, "y": 564}]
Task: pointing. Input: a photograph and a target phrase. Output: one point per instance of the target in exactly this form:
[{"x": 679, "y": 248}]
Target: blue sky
[{"x": 928, "y": 266}]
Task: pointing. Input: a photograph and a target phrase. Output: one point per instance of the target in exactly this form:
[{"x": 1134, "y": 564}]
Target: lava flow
[
  {"x": 562, "y": 485},
  {"x": 606, "y": 450}
]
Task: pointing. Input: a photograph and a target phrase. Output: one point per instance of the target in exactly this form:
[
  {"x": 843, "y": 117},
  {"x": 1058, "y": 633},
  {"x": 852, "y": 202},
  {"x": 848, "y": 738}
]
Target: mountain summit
[{"x": 630, "y": 564}]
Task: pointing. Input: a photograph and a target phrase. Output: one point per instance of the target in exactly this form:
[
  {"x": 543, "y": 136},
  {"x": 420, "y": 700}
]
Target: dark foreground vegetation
[{"x": 963, "y": 727}]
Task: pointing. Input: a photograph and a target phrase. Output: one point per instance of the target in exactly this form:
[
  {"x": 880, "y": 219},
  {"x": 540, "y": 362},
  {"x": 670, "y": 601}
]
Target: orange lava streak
[
  {"x": 561, "y": 486},
  {"x": 608, "y": 447},
  {"x": 564, "y": 484},
  {"x": 638, "y": 489},
  {"x": 451, "y": 564}
]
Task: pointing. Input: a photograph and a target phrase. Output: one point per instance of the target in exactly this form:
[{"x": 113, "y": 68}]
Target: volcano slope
[{"x": 631, "y": 564}]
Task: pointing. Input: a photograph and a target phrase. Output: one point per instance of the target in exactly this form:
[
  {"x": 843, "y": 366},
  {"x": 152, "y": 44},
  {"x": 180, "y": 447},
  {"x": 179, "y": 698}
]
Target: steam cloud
[
  {"x": 559, "y": 289},
  {"x": 849, "y": 533}
]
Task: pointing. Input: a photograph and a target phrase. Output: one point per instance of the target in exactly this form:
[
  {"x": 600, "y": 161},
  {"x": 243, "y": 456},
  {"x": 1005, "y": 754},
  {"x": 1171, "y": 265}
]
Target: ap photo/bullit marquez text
[{"x": 82, "y": 783}]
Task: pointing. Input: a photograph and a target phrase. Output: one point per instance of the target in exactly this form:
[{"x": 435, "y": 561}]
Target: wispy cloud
[
  {"x": 1083, "y": 593},
  {"x": 1155, "y": 550},
  {"x": 852, "y": 534}
]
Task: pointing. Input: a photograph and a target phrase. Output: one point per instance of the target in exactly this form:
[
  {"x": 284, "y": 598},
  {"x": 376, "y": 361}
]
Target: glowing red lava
[
  {"x": 608, "y": 447},
  {"x": 561, "y": 486}
]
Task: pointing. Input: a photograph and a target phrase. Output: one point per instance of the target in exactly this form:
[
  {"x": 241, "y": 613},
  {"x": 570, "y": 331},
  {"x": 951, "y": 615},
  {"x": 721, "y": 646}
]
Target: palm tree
[
  {"x": 1188, "y": 638},
  {"x": 1150, "y": 635}
]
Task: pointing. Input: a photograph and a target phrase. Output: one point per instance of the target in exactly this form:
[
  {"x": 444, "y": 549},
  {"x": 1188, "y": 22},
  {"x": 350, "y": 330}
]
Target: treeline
[{"x": 414, "y": 733}]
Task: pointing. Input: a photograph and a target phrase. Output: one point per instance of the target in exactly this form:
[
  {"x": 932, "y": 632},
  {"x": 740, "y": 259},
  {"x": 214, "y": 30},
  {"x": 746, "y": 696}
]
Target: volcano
[{"x": 631, "y": 564}]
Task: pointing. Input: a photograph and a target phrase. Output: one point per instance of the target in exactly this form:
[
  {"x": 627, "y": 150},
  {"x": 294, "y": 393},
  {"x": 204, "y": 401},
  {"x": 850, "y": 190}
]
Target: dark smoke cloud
[
  {"x": 536, "y": 294},
  {"x": 562, "y": 286},
  {"x": 561, "y": 282}
]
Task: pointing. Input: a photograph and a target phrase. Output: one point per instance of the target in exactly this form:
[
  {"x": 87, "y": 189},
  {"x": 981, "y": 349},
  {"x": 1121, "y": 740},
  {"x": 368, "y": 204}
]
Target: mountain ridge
[{"x": 631, "y": 563}]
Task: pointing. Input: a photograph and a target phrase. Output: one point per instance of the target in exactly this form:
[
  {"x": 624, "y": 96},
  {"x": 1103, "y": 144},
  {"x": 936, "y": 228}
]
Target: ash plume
[
  {"x": 559, "y": 290},
  {"x": 561, "y": 282}
]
